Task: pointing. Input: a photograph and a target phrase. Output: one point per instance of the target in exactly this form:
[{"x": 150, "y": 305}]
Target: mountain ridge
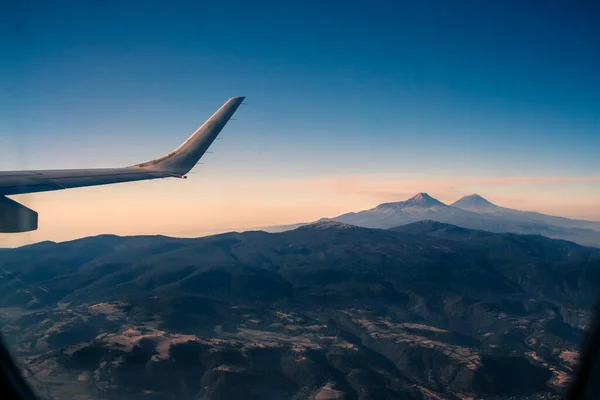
[
  {"x": 410, "y": 312},
  {"x": 472, "y": 211},
  {"x": 477, "y": 203},
  {"x": 474, "y": 201}
]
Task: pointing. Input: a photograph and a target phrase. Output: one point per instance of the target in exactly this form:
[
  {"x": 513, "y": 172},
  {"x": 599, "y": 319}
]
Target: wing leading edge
[{"x": 175, "y": 164}]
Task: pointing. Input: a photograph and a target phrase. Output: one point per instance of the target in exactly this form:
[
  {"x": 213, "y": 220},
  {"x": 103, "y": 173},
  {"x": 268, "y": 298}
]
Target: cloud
[
  {"x": 533, "y": 180},
  {"x": 388, "y": 187}
]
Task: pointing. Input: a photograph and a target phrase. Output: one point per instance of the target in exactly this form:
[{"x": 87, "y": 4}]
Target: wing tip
[{"x": 181, "y": 160}]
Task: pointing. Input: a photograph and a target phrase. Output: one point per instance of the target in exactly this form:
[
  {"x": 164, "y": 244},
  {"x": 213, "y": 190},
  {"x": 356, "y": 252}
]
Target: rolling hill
[{"x": 328, "y": 310}]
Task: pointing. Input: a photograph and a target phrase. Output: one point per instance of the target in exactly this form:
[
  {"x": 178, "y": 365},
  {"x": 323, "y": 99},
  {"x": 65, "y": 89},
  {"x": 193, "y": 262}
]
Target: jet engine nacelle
[{"x": 15, "y": 217}]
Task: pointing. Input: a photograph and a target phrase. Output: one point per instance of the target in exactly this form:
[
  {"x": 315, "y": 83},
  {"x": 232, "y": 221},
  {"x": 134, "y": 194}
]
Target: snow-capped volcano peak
[
  {"x": 423, "y": 199},
  {"x": 419, "y": 200},
  {"x": 474, "y": 202}
]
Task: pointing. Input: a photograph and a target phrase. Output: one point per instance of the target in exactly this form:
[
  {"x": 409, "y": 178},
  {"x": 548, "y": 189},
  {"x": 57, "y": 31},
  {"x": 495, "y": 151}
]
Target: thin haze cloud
[
  {"x": 382, "y": 183},
  {"x": 213, "y": 206}
]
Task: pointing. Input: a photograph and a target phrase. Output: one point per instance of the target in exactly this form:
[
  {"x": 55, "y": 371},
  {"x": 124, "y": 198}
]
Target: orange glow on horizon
[{"x": 202, "y": 206}]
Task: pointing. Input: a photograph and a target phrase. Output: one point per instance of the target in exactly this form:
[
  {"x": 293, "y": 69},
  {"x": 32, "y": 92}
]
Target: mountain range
[
  {"x": 329, "y": 310},
  {"x": 472, "y": 212}
]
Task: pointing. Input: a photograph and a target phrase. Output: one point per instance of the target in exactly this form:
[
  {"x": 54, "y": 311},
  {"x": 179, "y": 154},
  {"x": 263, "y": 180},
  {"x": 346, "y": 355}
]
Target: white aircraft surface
[{"x": 15, "y": 217}]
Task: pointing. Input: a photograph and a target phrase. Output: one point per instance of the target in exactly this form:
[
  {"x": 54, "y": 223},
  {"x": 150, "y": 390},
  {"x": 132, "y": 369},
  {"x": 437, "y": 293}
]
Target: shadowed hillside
[{"x": 328, "y": 310}]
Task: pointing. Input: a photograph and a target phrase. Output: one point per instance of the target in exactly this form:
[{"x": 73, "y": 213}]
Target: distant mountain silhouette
[
  {"x": 475, "y": 203},
  {"x": 472, "y": 212},
  {"x": 417, "y": 208},
  {"x": 478, "y": 204}
]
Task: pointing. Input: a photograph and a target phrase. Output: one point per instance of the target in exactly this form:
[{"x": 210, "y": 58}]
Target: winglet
[{"x": 181, "y": 160}]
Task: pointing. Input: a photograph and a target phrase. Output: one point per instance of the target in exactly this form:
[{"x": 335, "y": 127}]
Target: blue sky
[{"x": 384, "y": 92}]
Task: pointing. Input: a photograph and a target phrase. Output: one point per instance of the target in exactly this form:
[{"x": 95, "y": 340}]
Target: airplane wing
[{"x": 174, "y": 164}]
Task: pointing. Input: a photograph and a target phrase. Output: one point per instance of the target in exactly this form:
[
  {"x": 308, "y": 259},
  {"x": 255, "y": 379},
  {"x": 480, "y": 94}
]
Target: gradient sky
[{"x": 350, "y": 104}]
